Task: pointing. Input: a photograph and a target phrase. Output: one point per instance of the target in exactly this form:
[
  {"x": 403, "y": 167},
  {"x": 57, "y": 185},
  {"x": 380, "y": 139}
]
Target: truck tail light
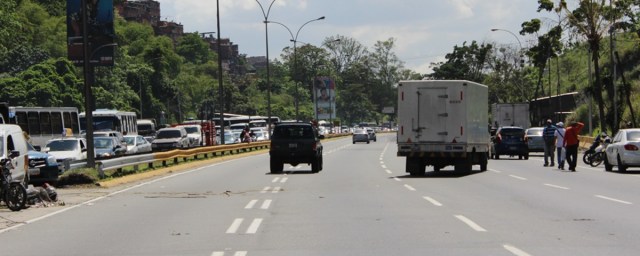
[
  {"x": 401, "y": 130},
  {"x": 631, "y": 147},
  {"x": 314, "y": 146}
]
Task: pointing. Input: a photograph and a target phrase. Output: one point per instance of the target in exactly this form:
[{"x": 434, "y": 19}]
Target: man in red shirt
[{"x": 571, "y": 144}]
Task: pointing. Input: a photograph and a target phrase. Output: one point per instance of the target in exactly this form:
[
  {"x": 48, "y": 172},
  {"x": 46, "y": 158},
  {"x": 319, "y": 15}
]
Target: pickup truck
[{"x": 13, "y": 142}]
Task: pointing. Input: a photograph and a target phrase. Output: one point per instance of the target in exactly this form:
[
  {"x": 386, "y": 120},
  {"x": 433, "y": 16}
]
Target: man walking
[
  {"x": 548, "y": 135},
  {"x": 559, "y": 144},
  {"x": 571, "y": 144}
]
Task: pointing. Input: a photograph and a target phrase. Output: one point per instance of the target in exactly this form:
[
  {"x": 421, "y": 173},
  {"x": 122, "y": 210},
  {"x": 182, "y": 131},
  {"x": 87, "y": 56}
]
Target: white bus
[
  {"x": 110, "y": 119},
  {"x": 43, "y": 123}
]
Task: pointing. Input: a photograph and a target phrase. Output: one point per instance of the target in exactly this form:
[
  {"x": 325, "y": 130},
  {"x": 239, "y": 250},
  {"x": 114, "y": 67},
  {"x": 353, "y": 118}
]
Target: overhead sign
[
  {"x": 101, "y": 33},
  {"x": 388, "y": 110}
]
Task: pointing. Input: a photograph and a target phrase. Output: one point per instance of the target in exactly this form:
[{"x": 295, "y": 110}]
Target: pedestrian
[
  {"x": 548, "y": 135},
  {"x": 571, "y": 144},
  {"x": 559, "y": 144}
]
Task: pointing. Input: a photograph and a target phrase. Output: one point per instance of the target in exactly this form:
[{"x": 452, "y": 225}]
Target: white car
[
  {"x": 137, "y": 144},
  {"x": 194, "y": 132},
  {"x": 624, "y": 150},
  {"x": 73, "y": 149}
]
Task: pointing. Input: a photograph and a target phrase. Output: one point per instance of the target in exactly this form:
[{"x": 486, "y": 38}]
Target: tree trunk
[{"x": 597, "y": 92}]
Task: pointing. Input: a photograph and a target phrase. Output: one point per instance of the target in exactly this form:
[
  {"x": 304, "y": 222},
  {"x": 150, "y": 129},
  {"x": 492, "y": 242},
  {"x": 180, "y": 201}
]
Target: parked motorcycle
[
  {"x": 595, "y": 155},
  {"x": 13, "y": 193}
]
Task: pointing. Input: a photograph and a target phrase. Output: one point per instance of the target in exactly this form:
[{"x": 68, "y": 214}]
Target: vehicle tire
[
  {"x": 276, "y": 165},
  {"x": 520, "y": 157},
  {"x": 367, "y": 142},
  {"x": 16, "y": 197},
  {"x": 586, "y": 158},
  {"x": 607, "y": 166},
  {"x": 597, "y": 159},
  {"x": 374, "y": 140},
  {"x": 621, "y": 167},
  {"x": 526, "y": 157},
  {"x": 497, "y": 156},
  {"x": 354, "y": 142},
  {"x": 315, "y": 165},
  {"x": 414, "y": 167},
  {"x": 483, "y": 162}
]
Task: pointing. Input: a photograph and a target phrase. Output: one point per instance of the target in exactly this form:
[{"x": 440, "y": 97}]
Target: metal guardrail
[{"x": 174, "y": 155}]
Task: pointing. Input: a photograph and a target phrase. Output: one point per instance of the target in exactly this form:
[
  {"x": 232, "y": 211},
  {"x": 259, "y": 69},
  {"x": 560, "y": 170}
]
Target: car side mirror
[
  {"x": 37, "y": 148},
  {"x": 14, "y": 154}
]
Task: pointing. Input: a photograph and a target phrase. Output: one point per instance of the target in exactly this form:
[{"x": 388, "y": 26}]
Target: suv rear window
[
  {"x": 512, "y": 132},
  {"x": 292, "y": 131}
]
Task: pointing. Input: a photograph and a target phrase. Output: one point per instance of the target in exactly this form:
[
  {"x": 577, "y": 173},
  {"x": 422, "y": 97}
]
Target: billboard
[
  {"x": 101, "y": 33},
  {"x": 324, "y": 89}
]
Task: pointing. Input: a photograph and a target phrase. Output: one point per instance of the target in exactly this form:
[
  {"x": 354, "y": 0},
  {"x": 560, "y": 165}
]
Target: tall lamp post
[
  {"x": 294, "y": 39},
  {"x": 266, "y": 39}
]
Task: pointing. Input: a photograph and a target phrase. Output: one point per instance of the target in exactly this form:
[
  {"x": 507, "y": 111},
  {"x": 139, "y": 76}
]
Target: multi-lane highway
[{"x": 362, "y": 203}]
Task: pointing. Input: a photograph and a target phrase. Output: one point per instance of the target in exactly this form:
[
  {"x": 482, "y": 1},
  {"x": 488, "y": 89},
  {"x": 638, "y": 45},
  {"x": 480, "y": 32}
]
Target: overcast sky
[{"x": 425, "y": 30}]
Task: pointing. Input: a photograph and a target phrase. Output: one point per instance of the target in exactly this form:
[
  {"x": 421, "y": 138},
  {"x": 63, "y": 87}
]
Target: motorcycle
[
  {"x": 12, "y": 192},
  {"x": 595, "y": 155}
]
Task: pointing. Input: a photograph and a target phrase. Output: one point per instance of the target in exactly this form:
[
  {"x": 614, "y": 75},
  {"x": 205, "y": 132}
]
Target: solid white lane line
[
  {"x": 240, "y": 253},
  {"x": 251, "y": 204},
  {"x": 613, "y": 199},
  {"x": 265, "y": 189},
  {"x": 470, "y": 223},
  {"x": 266, "y": 204},
  {"x": 496, "y": 171},
  {"x": 556, "y": 186},
  {"x": 234, "y": 226},
  {"x": 275, "y": 190},
  {"x": 388, "y": 171},
  {"x": 396, "y": 179},
  {"x": 515, "y": 250},
  {"x": 409, "y": 187},
  {"x": 433, "y": 201},
  {"x": 384, "y": 166},
  {"x": 275, "y": 179},
  {"x": 517, "y": 177},
  {"x": 255, "y": 224},
  {"x": 283, "y": 180}
]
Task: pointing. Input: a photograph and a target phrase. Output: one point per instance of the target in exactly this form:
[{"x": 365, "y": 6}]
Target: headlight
[
  {"x": 105, "y": 155},
  {"x": 176, "y": 144},
  {"x": 51, "y": 160}
]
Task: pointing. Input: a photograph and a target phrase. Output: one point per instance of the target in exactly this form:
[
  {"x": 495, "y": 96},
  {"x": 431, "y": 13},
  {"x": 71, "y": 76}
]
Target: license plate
[
  {"x": 293, "y": 145},
  {"x": 35, "y": 171},
  {"x": 513, "y": 148}
]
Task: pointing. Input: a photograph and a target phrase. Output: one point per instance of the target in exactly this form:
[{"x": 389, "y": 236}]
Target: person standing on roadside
[
  {"x": 548, "y": 135},
  {"x": 571, "y": 144},
  {"x": 559, "y": 144}
]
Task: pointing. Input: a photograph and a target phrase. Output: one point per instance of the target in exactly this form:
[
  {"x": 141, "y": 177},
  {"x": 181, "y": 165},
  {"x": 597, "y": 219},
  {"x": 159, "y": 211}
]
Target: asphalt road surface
[{"x": 362, "y": 203}]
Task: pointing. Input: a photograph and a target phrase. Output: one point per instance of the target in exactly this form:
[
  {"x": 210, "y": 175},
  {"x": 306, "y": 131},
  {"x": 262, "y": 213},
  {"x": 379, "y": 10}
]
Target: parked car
[
  {"x": 68, "y": 148},
  {"x": 108, "y": 147},
  {"x": 624, "y": 150},
  {"x": 109, "y": 133},
  {"x": 13, "y": 145},
  {"x": 294, "y": 143},
  {"x": 171, "y": 138},
  {"x": 194, "y": 132},
  {"x": 509, "y": 140},
  {"x": 137, "y": 144},
  {"x": 360, "y": 135},
  {"x": 43, "y": 167},
  {"x": 533, "y": 137},
  {"x": 229, "y": 138},
  {"x": 372, "y": 134},
  {"x": 259, "y": 135}
]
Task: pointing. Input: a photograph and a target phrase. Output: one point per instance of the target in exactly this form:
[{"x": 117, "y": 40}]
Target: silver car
[
  {"x": 533, "y": 137},
  {"x": 360, "y": 135}
]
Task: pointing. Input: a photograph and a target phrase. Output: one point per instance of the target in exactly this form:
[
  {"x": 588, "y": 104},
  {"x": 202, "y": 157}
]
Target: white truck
[
  {"x": 443, "y": 122},
  {"x": 510, "y": 114}
]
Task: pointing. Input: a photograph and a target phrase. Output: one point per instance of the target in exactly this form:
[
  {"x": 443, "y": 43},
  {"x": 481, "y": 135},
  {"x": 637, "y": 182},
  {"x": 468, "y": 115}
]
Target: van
[
  {"x": 171, "y": 138},
  {"x": 14, "y": 146},
  {"x": 194, "y": 132}
]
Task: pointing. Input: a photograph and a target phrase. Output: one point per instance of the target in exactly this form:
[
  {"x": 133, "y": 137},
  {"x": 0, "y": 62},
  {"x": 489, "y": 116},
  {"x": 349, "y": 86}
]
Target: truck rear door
[{"x": 432, "y": 114}]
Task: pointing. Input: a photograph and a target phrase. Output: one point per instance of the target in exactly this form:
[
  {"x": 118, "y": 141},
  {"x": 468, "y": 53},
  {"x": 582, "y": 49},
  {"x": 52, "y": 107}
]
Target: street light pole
[
  {"x": 266, "y": 38},
  {"x": 294, "y": 39},
  {"x": 220, "y": 88}
]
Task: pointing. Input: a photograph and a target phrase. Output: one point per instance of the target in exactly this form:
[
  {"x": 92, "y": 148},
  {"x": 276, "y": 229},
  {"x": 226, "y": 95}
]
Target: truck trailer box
[
  {"x": 443, "y": 122},
  {"x": 510, "y": 114}
]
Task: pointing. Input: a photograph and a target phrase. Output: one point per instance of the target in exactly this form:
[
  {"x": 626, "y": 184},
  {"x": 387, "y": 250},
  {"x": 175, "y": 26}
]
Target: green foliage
[{"x": 466, "y": 62}]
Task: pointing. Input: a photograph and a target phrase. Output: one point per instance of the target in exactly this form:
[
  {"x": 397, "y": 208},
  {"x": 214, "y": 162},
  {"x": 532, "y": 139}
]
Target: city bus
[
  {"x": 110, "y": 119},
  {"x": 43, "y": 123}
]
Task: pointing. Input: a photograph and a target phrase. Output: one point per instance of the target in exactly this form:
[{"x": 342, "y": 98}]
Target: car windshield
[
  {"x": 103, "y": 143},
  {"x": 130, "y": 140},
  {"x": 360, "y": 131},
  {"x": 633, "y": 136},
  {"x": 534, "y": 132},
  {"x": 167, "y": 134},
  {"x": 192, "y": 130},
  {"x": 62, "y": 145}
]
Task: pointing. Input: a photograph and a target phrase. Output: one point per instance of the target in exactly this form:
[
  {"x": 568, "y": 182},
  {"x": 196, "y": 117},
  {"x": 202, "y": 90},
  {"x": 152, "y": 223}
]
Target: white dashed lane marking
[
  {"x": 432, "y": 201},
  {"x": 613, "y": 199},
  {"x": 470, "y": 223}
]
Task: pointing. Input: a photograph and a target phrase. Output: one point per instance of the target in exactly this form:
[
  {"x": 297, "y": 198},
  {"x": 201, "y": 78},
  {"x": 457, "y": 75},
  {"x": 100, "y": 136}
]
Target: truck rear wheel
[
  {"x": 414, "y": 166},
  {"x": 276, "y": 165}
]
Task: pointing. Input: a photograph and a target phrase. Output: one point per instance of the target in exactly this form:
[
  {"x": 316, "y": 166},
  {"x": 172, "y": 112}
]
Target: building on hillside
[{"x": 143, "y": 11}]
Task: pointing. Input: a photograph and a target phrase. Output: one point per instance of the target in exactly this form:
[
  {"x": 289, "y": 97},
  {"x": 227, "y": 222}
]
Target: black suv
[
  {"x": 294, "y": 143},
  {"x": 509, "y": 140}
]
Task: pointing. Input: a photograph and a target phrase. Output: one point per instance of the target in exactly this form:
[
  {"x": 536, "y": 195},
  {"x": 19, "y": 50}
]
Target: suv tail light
[
  {"x": 499, "y": 139},
  {"x": 631, "y": 147},
  {"x": 314, "y": 146}
]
